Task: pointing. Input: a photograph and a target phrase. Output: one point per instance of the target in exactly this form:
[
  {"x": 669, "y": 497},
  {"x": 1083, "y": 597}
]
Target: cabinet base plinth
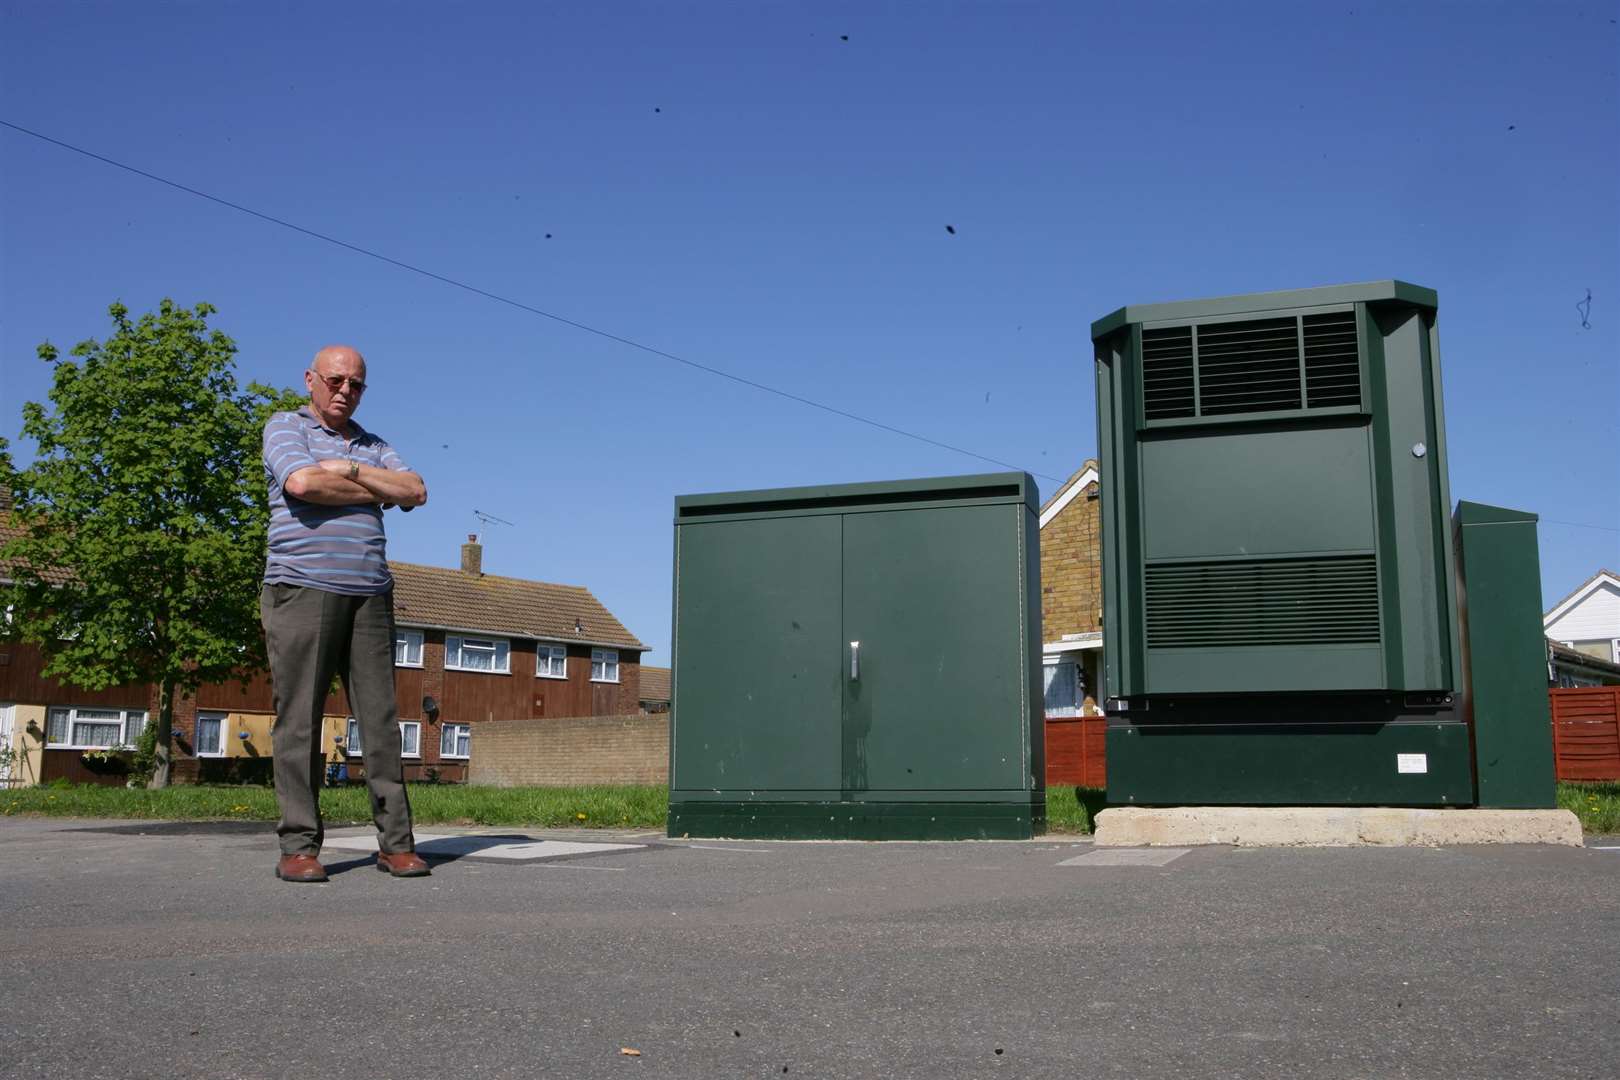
[{"x": 857, "y": 821}]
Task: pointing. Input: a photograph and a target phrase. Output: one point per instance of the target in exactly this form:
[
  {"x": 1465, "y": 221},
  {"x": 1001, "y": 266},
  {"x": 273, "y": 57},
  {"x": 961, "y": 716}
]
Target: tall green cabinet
[
  {"x": 858, "y": 661},
  {"x": 1280, "y": 617}
]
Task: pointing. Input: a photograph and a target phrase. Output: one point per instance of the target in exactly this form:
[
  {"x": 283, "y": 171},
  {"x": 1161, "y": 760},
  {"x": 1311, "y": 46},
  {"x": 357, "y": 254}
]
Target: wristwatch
[{"x": 354, "y": 470}]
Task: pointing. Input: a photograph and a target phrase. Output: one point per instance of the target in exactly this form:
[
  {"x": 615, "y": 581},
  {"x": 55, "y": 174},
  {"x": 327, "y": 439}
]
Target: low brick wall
[{"x": 578, "y": 750}]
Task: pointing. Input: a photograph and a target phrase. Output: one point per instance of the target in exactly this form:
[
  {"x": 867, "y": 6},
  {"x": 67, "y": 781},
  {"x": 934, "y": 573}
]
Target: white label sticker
[{"x": 1415, "y": 763}]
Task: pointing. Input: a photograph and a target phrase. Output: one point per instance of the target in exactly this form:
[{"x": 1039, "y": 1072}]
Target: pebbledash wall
[{"x": 575, "y": 750}]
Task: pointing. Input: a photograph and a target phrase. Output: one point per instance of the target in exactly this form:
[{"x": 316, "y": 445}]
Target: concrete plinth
[{"x": 1326, "y": 826}]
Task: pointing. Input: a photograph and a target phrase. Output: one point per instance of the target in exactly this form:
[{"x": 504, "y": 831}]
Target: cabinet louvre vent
[
  {"x": 1167, "y": 373},
  {"x": 1248, "y": 366},
  {"x": 1252, "y": 366},
  {"x": 1332, "y": 601},
  {"x": 1332, "y": 369}
]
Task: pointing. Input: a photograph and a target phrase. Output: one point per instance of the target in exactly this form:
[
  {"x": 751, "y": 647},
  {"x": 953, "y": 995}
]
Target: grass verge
[
  {"x": 628, "y": 806},
  {"x": 1597, "y": 805},
  {"x": 1068, "y": 810}
]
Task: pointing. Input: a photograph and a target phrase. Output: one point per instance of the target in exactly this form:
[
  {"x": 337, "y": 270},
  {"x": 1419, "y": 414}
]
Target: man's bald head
[
  {"x": 346, "y": 353},
  {"x": 336, "y": 378}
]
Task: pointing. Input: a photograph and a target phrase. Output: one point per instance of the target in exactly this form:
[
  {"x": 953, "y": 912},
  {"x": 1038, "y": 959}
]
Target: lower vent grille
[{"x": 1263, "y": 602}]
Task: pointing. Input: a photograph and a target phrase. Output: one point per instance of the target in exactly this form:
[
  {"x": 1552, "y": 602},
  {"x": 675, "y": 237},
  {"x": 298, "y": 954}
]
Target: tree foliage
[{"x": 142, "y": 517}]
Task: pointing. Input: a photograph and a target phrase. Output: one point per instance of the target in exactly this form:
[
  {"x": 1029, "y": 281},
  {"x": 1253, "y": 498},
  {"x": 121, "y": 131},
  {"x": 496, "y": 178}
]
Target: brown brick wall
[
  {"x": 576, "y": 750},
  {"x": 1071, "y": 569}
]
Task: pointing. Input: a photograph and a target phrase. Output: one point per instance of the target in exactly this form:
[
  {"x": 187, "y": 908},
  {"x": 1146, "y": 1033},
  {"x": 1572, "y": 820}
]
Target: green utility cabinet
[
  {"x": 1279, "y": 608},
  {"x": 858, "y": 661},
  {"x": 1504, "y": 656}
]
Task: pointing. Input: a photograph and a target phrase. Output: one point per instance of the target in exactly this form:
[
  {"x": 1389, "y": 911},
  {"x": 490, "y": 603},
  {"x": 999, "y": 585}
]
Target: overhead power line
[{"x": 357, "y": 249}]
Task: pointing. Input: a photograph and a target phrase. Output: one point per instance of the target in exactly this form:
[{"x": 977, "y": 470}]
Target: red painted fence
[
  {"x": 1074, "y": 751},
  {"x": 1586, "y": 732}
]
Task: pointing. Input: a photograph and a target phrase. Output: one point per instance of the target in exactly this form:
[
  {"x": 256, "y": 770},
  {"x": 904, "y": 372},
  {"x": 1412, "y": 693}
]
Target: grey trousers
[{"x": 312, "y": 635}]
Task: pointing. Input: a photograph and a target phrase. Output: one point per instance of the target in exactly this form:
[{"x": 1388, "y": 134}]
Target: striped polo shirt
[{"x": 340, "y": 549}]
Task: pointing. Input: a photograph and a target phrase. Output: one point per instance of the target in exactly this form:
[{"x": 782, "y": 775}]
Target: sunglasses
[{"x": 334, "y": 383}]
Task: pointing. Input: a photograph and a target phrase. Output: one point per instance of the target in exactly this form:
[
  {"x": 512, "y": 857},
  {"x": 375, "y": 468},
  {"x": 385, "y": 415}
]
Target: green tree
[{"x": 142, "y": 516}]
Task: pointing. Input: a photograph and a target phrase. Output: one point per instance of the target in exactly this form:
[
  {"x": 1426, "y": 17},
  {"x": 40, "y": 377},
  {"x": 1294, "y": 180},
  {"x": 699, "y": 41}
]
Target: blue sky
[{"x": 739, "y": 185}]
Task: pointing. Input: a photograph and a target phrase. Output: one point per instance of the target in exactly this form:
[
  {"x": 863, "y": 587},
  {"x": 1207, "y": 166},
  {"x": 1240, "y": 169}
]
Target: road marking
[
  {"x": 505, "y": 848},
  {"x": 1127, "y": 857},
  {"x": 717, "y": 847}
]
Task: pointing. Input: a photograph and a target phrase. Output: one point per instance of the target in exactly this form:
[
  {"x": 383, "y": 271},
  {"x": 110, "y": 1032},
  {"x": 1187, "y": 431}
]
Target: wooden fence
[
  {"x": 1586, "y": 732},
  {"x": 1074, "y": 751}
]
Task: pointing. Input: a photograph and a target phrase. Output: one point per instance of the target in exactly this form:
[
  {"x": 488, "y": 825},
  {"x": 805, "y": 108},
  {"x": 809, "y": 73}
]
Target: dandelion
[{"x": 581, "y": 817}]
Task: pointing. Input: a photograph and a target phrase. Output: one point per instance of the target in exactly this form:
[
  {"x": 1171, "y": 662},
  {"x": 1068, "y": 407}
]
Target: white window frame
[
  {"x": 604, "y": 659},
  {"x": 1059, "y": 660},
  {"x": 453, "y": 732},
  {"x": 224, "y": 730},
  {"x": 351, "y": 738},
  {"x": 125, "y": 735},
  {"x": 551, "y": 652},
  {"x": 455, "y": 644},
  {"x": 417, "y": 724},
  {"x": 409, "y": 639}
]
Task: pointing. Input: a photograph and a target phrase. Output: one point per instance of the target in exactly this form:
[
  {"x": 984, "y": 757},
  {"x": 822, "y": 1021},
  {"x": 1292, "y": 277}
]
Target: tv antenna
[{"x": 491, "y": 519}]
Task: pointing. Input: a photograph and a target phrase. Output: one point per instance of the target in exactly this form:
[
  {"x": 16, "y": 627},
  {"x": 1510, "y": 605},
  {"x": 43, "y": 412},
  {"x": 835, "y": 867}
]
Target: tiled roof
[
  {"x": 654, "y": 683},
  {"x": 513, "y": 607},
  {"x": 9, "y": 531}
]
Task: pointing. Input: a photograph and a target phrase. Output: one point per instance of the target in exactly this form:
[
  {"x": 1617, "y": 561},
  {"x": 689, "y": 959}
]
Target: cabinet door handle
[{"x": 854, "y": 660}]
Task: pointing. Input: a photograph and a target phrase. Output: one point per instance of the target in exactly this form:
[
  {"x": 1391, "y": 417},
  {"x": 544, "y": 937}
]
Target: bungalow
[{"x": 1585, "y": 626}]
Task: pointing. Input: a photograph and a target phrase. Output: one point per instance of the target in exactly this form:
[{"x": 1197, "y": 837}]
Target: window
[
  {"x": 92, "y": 729},
  {"x": 551, "y": 661},
  {"x": 353, "y": 742},
  {"x": 210, "y": 741},
  {"x": 1062, "y": 688},
  {"x": 407, "y": 648},
  {"x": 410, "y": 738},
  {"x": 477, "y": 654},
  {"x": 455, "y": 741},
  {"x": 604, "y": 665}
]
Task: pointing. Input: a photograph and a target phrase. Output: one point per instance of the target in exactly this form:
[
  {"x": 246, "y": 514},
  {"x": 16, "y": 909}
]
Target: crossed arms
[{"x": 328, "y": 484}]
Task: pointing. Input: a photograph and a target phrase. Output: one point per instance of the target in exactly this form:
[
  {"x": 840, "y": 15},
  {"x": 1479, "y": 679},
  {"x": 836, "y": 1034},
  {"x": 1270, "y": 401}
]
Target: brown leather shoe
[
  {"x": 300, "y": 868},
  {"x": 402, "y": 864}
]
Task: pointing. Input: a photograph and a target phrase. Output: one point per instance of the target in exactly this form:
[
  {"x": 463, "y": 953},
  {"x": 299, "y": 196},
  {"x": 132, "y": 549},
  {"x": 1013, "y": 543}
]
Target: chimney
[{"x": 472, "y": 556}]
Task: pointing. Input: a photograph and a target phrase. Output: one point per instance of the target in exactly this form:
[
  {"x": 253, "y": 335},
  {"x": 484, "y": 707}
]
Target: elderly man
[{"x": 328, "y": 608}]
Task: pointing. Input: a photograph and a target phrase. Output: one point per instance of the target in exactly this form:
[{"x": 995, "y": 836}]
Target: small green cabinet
[{"x": 858, "y": 661}]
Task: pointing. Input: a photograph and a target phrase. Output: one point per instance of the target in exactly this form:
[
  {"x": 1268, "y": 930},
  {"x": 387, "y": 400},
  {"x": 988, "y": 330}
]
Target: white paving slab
[
  {"x": 1127, "y": 857},
  {"x": 508, "y": 848}
]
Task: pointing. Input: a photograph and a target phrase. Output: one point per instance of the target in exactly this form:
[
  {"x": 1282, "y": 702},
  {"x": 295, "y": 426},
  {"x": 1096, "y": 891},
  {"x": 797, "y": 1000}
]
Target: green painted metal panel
[
  {"x": 1280, "y": 668},
  {"x": 1301, "y": 765},
  {"x": 1367, "y": 292},
  {"x": 1505, "y": 660},
  {"x": 758, "y": 615},
  {"x": 753, "y": 820},
  {"x": 1191, "y": 507},
  {"x": 1419, "y": 593},
  {"x": 941, "y": 695},
  {"x": 936, "y": 733}
]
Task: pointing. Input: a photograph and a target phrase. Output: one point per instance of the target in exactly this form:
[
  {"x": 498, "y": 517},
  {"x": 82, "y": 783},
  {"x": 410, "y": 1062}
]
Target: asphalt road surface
[{"x": 131, "y": 950}]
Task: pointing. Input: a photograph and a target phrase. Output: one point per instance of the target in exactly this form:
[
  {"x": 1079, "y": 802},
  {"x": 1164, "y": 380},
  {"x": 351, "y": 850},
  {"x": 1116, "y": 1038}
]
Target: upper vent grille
[
  {"x": 1332, "y": 371},
  {"x": 1331, "y": 601},
  {"x": 1167, "y": 372},
  {"x": 1248, "y": 366},
  {"x": 1252, "y": 366}
]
